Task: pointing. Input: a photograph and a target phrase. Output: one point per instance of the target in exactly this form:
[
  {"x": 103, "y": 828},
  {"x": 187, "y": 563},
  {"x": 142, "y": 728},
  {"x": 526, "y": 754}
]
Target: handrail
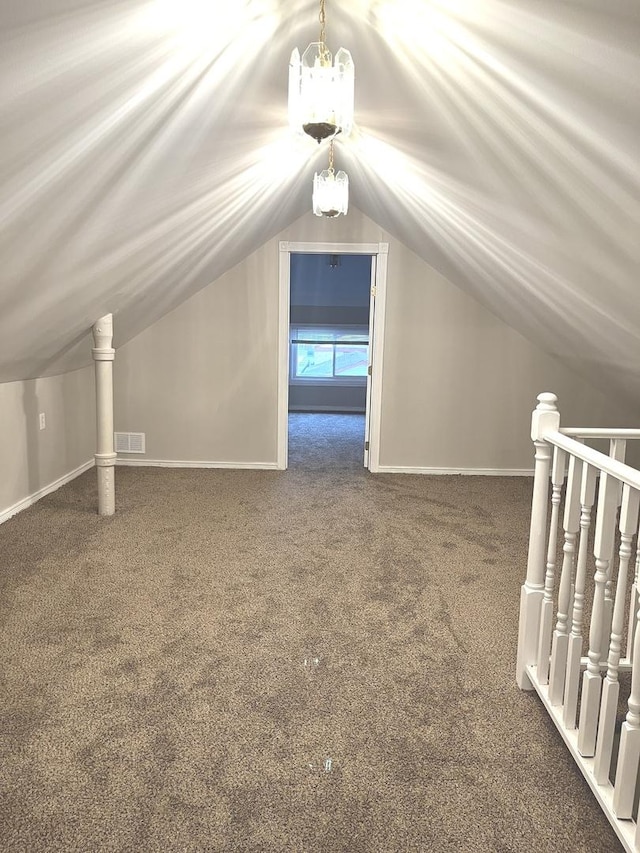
[
  {"x": 594, "y": 432},
  {"x": 624, "y": 473}
]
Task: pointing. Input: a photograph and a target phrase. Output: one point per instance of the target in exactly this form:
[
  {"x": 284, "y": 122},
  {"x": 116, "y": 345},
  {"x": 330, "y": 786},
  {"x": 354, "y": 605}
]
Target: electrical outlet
[{"x": 43, "y": 420}]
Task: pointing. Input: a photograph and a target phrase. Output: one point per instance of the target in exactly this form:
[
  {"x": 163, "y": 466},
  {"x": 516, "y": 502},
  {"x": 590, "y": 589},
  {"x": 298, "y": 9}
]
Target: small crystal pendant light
[{"x": 330, "y": 190}]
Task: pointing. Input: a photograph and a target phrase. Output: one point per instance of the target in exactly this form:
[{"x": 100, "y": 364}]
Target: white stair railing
[{"x": 594, "y": 600}]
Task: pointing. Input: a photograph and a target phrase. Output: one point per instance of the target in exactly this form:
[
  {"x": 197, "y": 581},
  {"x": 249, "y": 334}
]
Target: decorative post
[
  {"x": 545, "y": 418},
  {"x": 103, "y": 355}
]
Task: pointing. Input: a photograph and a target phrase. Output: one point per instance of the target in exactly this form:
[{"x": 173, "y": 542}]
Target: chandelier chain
[
  {"x": 322, "y": 18},
  {"x": 323, "y": 44}
]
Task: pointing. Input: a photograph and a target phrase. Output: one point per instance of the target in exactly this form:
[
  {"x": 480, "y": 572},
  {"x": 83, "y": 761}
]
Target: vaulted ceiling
[{"x": 144, "y": 150}]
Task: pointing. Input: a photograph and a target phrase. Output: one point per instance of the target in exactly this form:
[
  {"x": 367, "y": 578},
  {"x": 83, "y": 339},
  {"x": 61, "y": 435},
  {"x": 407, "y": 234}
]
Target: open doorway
[
  {"x": 331, "y": 346},
  {"x": 328, "y": 357}
]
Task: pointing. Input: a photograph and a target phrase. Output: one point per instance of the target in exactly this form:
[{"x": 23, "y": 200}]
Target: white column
[
  {"x": 545, "y": 418},
  {"x": 103, "y": 355}
]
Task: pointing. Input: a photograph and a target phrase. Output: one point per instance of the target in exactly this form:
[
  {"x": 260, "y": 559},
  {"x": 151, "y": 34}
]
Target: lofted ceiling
[{"x": 144, "y": 150}]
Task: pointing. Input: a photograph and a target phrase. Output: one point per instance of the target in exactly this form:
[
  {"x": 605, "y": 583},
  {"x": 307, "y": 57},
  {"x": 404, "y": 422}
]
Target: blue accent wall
[{"x": 329, "y": 296}]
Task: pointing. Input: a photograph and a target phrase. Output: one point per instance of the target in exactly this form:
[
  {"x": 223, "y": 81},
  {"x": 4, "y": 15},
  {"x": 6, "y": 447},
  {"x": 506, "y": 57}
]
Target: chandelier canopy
[{"x": 321, "y": 89}]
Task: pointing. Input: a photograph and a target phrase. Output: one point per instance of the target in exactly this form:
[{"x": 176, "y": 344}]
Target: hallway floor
[{"x": 321, "y": 440}]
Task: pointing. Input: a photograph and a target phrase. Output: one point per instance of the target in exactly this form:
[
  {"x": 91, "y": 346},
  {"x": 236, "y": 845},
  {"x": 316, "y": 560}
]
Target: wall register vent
[{"x": 129, "y": 442}]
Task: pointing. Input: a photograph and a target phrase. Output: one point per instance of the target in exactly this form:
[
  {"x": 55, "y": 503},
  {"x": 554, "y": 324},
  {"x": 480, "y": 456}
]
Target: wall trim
[
  {"x": 467, "y": 472},
  {"x": 352, "y": 248},
  {"x": 273, "y": 466},
  {"x": 45, "y": 490},
  {"x": 184, "y": 463}
]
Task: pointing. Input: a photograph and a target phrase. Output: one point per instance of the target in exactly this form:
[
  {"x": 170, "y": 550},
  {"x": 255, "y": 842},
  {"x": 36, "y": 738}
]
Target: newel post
[
  {"x": 103, "y": 355},
  {"x": 546, "y": 418}
]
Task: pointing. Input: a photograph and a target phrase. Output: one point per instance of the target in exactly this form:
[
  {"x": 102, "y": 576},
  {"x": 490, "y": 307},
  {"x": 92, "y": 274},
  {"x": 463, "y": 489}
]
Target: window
[{"x": 329, "y": 354}]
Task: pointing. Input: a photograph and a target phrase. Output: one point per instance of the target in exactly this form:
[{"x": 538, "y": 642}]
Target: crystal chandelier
[
  {"x": 321, "y": 91},
  {"x": 330, "y": 190}
]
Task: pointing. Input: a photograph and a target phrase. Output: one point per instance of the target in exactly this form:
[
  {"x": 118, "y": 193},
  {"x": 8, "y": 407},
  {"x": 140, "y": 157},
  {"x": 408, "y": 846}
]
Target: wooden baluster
[
  {"x": 607, "y": 611},
  {"x": 603, "y": 550},
  {"x": 545, "y": 417},
  {"x": 617, "y": 450},
  {"x": 546, "y": 616},
  {"x": 633, "y": 606},
  {"x": 560, "y": 643},
  {"x": 572, "y": 681},
  {"x": 611, "y": 686},
  {"x": 629, "y": 749}
]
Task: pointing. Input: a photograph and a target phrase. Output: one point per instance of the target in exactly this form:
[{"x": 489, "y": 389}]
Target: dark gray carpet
[
  {"x": 326, "y": 441},
  {"x": 175, "y": 678}
]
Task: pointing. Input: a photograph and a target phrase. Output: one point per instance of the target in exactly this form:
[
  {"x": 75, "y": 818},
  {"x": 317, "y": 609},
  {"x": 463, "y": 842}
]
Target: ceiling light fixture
[
  {"x": 321, "y": 92},
  {"x": 330, "y": 191}
]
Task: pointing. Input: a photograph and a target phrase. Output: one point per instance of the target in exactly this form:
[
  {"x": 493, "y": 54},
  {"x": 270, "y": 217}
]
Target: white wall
[
  {"x": 458, "y": 384},
  {"x": 202, "y": 382},
  {"x": 32, "y": 459}
]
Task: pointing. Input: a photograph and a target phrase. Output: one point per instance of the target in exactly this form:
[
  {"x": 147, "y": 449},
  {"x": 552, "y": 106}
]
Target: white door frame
[
  {"x": 376, "y": 335},
  {"x": 372, "y": 308}
]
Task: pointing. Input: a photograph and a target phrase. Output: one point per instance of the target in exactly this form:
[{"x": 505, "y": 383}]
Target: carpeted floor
[
  {"x": 177, "y": 677},
  {"x": 326, "y": 441}
]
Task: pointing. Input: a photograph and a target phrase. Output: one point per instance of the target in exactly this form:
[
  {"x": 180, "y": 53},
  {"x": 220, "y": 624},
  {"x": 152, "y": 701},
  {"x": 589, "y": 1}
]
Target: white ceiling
[{"x": 144, "y": 150}]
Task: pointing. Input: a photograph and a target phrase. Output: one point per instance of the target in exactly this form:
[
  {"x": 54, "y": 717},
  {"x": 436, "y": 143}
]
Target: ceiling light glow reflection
[
  {"x": 420, "y": 27},
  {"x": 489, "y": 245},
  {"x": 205, "y": 27},
  {"x": 466, "y": 225},
  {"x": 217, "y": 218}
]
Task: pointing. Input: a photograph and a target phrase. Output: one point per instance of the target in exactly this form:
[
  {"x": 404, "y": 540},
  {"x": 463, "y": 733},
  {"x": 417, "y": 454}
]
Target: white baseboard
[
  {"x": 272, "y": 466},
  {"x": 468, "y": 472},
  {"x": 179, "y": 463},
  {"x": 45, "y": 490}
]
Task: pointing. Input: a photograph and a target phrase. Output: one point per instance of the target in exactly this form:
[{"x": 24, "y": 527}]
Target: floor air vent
[{"x": 129, "y": 442}]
